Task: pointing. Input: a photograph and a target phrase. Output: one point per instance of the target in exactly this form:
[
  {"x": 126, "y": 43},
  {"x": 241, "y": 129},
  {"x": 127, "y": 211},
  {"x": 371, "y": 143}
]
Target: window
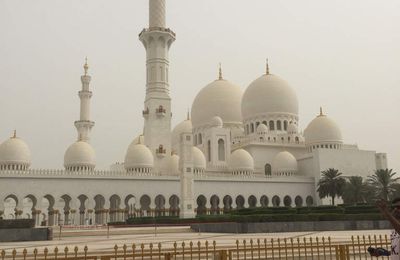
[
  {"x": 271, "y": 125},
  {"x": 209, "y": 150},
  {"x": 252, "y": 127},
  {"x": 221, "y": 150},
  {"x": 278, "y": 125},
  {"x": 267, "y": 169},
  {"x": 285, "y": 124},
  {"x": 200, "y": 141}
]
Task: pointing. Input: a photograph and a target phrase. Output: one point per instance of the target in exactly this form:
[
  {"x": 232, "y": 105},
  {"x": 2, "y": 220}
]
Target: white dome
[
  {"x": 15, "y": 151},
  {"x": 269, "y": 94},
  {"x": 80, "y": 154},
  {"x": 292, "y": 129},
  {"x": 183, "y": 127},
  {"x": 322, "y": 129},
  {"x": 241, "y": 160},
  {"x": 219, "y": 98},
  {"x": 173, "y": 164},
  {"x": 262, "y": 128},
  {"x": 216, "y": 121},
  {"x": 138, "y": 156},
  {"x": 284, "y": 162},
  {"x": 199, "y": 160}
]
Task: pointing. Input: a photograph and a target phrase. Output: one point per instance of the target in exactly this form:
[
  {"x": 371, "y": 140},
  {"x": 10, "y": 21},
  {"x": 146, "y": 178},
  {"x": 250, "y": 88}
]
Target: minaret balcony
[
  {"x": 161, "y": 152},
  {"x": 161, "y": 111},
  {"x": 145, "y": 113}
]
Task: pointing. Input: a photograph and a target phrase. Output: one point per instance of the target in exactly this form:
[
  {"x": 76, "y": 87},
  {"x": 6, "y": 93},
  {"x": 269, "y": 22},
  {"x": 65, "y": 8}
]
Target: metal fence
[{"x": 287, "y": 248}]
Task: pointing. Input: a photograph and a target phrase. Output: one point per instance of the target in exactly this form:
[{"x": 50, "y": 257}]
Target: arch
[
  {"x": 130, "y": 205},
  {"x": 276, "y": 201},
  {"x": 33, "y": 200},
  {"x": 298, "y": 201},
  {"x": 200, "y": 141},
  {"x": 227, "y": 201},
  {"x": 309, "y": 201},
  {"x": 285, "y": 125},
  {"x": 264, "y": 201},
  {"x": 271, "y": 125},
  {"x": 66, "y": 209},
  {"x": 195, "y": 139},
  {"x": 247, "y": 129},
  {"x": 214, "y": 201},
  {"x": 201, "y": 205},
  {"x": 209, "y": 150},
  {"x": 221, "y": 150},
  {"x": 251, "y": 127},
  {"x": 173, "y": 205},
  {"x": 145, "y": 202},
  {"x": 115, "y": 208},
  {"x": 239, "y": 202},
  {"x": 252, "y": 200},
  {"x": 287, "y": 201},
  {"x": 99, "y": 203},
  {"x": 268, "y": 169},
  {"x": 160, "y": 205},
  {"x": 278, "y": 125}
]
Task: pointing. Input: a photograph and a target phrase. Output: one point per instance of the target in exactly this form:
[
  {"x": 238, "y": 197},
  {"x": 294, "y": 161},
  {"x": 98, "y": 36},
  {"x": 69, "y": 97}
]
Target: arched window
[
  {"x": 252, "y": 127},
  {"x": 195, "y": 140},
  {"x": 257, "y": 124},
  {"x": 267, "y": 169},
  {"x": 209, "y": 150},
  {"x": 285, "y": 125},
  {"x": 296, "y": 139},
  {"x": 278, "y": 125},
  {"x": 200, "y": 141},
  {"x": 221, "y": 150},
  {"x": 271, "y": 125},
  {"x": 247, "y": 129}
]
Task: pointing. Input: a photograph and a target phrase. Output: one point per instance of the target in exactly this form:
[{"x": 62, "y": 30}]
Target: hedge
[{"x": 17, "y": 223}]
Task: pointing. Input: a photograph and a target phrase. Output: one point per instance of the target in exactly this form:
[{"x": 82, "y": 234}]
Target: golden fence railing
[{"x": 318, "y": 248}]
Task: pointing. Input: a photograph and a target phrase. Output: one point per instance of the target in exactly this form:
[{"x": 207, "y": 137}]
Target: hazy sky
[{"x": 343, "y": 55}]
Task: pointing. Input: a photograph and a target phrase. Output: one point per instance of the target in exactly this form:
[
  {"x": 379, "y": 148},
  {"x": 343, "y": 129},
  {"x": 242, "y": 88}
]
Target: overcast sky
[{"x": 342, "y": 55}]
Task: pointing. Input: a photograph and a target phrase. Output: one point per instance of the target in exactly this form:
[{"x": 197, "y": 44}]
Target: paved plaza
[{"x": 97, "y": 240}]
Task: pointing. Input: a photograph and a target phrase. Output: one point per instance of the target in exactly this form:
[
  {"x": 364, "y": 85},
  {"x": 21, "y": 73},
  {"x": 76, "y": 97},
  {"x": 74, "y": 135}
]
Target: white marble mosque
[{"x": 235, "y": 149}]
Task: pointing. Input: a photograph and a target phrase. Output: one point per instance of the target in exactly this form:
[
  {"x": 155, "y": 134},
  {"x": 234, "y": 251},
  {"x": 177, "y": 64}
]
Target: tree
[
  {"x": 384, "y": 182},
  {"x": 331, "y": 184},
  {"x": 354, "y": 190}
]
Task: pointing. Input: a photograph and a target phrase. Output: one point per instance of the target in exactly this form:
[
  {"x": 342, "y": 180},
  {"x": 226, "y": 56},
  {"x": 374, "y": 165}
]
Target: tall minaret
[
  {"x": 157, "y": 40},
  {"x": 84, "y": 125}
]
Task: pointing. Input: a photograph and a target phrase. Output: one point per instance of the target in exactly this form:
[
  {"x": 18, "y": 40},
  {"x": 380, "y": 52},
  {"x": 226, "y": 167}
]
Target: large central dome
[
  {"x": 219, "y": 98},
  {"x": 269, "y": 94}
]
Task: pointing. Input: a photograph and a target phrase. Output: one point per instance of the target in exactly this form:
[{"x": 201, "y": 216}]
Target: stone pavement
[{"x": 97, "y": 241}]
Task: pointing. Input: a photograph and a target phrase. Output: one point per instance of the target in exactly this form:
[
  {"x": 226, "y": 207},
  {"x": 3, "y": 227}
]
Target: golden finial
[
  {"x": 267, "y": 68},
  {"x": 220, "y": 72},
  {"x": 188, "y": 115},
  {"x": 320, "y": 112},
  {"x": 14, "y": 134},
  {"x": 86, "y": 66}
]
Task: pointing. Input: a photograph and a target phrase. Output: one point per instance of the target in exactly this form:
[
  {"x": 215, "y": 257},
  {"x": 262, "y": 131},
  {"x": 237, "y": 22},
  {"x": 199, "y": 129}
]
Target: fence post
[
  {"x": 340, "y": 252},
  {"x": 167, "y": 256},
  {"x": 222, "y": 255}
]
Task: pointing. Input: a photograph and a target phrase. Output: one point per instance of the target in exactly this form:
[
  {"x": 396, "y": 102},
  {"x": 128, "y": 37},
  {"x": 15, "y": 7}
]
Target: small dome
[
  {"x": 80, "y": 154},
  {"x": 292, "y": 129},
  {"x": 216, "y": 121},
  {"x": 173, "y": 164},
  {"x": 15, "y": 152},
  {"x": 262, "y": 129},
  {"x": 219, "y": 98},
  {"x": 199, "y": 160},
  {"x": 241, "y": 160},
  {"x": 322, "y": 129},
  {"x": 183, "y": 127},
  {"x": 284, "y": 162},
  {"x": 138, "y": 156},
  {"x": 269, "y": 94}
]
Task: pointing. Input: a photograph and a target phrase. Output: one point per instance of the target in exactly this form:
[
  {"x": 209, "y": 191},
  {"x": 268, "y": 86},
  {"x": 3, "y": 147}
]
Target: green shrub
[{"x": 17, "y": 223}]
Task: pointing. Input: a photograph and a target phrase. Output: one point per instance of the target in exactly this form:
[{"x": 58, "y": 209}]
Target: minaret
[
  {"x": 157, "y": 40},
  {"x": 84, "y": 125}
]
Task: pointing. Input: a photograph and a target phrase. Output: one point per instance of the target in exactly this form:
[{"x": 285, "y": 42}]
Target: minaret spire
[
  {"x": 220, "y": 72},
  {"x": 267, "y": 67},
  {"x": 157, "y": 104},
  {"x": 84, "y": 124}
]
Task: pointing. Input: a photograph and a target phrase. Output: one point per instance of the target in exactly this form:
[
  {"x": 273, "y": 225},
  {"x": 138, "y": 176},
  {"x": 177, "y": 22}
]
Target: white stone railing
[{"x": 255, "y": 139}]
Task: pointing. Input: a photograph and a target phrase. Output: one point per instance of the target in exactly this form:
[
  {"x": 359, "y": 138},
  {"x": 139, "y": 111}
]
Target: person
[{"x": 394, "y": 218}]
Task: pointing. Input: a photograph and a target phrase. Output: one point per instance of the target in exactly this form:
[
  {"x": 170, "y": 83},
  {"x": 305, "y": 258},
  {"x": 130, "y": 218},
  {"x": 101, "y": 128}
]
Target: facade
[{"x": 235, "y": 149}]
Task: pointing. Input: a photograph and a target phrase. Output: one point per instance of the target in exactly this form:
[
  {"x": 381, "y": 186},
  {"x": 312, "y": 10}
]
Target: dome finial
[
  {"x": 86, "y": 66},
  {"x": 188, "y": 114},
  {"x": 14, "y": 134},
  {"x": 220, "y": 72},
  {"x": 267, "y": 67},
  {"x": 321, "y": 112}
]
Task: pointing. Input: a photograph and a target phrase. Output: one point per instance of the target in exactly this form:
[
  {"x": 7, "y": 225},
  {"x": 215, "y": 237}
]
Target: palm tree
[
  {"x": 354, "y": 190},
  {"x": 383, "y": 181},
  {"x": 331, "y": 184}
]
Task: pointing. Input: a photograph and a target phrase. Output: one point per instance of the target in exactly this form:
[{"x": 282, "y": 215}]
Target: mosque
[{"x": 234, "y": 150}]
